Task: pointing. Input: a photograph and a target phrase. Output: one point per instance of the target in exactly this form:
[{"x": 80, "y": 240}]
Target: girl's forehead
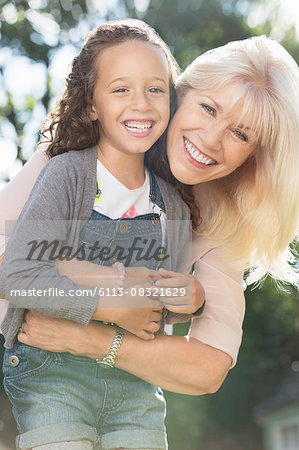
[
  {"x": 133, "y": 50},
  {"x": 132, "y": 59}
]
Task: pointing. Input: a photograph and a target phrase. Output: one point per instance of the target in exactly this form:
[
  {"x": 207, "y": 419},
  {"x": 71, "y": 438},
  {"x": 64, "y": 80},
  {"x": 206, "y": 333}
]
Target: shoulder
[
  {"x": 74, "y": 164},
  {"x": 173, "y": 199}
]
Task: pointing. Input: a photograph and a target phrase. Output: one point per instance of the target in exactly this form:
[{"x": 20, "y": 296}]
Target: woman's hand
[
  {"x": 141, "y": 276},
  {"x": 49, "y": 333},
  {"x": 180, "y": 293},
  {"x": 62, "y": 335}
]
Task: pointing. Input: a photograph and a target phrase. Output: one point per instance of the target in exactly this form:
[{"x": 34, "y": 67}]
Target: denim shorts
[{"x": 60, "y": 397}]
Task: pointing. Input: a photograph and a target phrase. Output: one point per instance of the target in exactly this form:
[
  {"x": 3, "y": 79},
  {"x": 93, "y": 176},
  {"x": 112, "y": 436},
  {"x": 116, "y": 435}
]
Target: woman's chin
[{"x": 184, "y": 175}]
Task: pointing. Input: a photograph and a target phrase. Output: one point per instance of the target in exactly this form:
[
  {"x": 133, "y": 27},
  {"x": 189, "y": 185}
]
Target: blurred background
[{"x": 257, "y": 408}]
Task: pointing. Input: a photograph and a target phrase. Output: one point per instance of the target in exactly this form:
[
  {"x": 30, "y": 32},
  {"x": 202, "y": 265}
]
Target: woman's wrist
[
  {"x": 94, "y": 342},
  {"x": 108, "y": 361}
]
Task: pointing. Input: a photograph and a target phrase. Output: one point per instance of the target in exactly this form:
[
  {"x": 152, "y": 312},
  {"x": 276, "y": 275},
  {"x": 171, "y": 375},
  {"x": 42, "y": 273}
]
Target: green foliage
[{"x": 193, "y": 27}]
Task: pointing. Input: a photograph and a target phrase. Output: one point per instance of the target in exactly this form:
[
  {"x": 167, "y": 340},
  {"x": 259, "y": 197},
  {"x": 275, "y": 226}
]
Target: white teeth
[
  {"x": 196, "y": 155},
  {"x": 138, "y": 126}
]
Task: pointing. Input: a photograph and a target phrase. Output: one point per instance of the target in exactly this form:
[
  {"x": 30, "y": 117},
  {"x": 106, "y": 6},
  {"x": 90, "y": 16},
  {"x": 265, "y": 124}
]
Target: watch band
[{"x": 108, "y": 361}]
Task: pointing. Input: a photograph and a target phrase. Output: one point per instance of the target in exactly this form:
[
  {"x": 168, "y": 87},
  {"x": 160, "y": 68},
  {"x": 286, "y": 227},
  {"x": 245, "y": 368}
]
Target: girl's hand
[
  {"x": 131, "y": 307},
  {"x": 139, "y": 314},
  {"x": 134, "y": 310},
  {"x": 186, "y": 294}
]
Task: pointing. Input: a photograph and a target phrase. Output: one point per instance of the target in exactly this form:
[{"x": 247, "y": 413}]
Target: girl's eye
[
  {"x": 240, "y": 135},
  {"x": 208, "y": 109},
  {"x": 156, "y": 90},
  {"x": 120, "y": 90}
]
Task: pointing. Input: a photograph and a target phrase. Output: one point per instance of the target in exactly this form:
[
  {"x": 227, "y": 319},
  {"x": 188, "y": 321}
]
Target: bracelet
[
  {"x": 121, "y": 273},
  {"x": 119, "y": 283},
  {"x": 200, "y": 310},
  {"x": 109, "y": 360}
]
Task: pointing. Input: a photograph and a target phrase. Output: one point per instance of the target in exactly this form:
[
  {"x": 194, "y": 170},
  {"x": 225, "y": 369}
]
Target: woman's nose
[{"x": 213, "y": 137}]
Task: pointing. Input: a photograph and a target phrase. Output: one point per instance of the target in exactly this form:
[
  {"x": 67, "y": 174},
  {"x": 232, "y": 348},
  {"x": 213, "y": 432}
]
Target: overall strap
[{"x": 155, "y": 193}]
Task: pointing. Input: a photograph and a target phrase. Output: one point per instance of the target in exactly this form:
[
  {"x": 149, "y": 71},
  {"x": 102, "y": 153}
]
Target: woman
[{"x": 230, "y": 137}]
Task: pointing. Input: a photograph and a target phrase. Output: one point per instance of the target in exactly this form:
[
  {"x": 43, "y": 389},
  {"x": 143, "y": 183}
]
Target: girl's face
[
  {"x": 131, "y": 98},
  {"x": 205, "y": 141}
]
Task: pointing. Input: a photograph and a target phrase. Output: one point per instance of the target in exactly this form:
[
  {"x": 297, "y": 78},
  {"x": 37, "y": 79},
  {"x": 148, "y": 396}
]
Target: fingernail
[{"x": 157, "y": 283}]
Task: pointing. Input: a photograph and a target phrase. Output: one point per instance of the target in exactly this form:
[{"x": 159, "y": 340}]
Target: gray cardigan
[{"x": 59, "y": 205}]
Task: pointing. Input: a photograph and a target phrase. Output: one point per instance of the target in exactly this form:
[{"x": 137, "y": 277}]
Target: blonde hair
[{"x": 254, "y": 211}]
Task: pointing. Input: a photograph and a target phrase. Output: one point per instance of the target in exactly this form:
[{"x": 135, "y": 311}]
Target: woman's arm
[
  {"x": 14, "y": 196},
  {"x": 175, "y": 363},
  {"x": 15, "y": 193},
  {"x": 220, "y": 325},
  {"x": 196, "y": 364},
  {"x": 193, "y": 365}
]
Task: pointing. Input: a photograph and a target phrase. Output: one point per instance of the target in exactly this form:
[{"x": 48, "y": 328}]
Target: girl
[{"x": 97, "y": 201}]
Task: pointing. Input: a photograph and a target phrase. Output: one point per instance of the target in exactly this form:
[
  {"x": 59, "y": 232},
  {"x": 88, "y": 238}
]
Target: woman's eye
[
  {"x": 240, "y": 135},
  {"x": 209, "y": 109},
  {"x": 156, "y": 90}
]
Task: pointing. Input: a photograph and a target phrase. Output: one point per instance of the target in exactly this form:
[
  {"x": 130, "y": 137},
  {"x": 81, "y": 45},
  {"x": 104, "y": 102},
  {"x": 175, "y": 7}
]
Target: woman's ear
[{"x": 179, "y": 94}]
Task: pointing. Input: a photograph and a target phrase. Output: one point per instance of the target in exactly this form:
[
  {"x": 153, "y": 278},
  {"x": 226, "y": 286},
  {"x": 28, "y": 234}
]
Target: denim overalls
[{"x": 133, "y": 241}]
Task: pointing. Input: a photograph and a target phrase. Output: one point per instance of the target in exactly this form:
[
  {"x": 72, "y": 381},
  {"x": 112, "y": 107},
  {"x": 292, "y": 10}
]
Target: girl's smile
[{"x": 139, "y": 128}]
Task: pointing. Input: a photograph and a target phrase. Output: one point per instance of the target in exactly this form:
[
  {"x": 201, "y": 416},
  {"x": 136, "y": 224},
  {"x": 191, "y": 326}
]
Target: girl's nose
[{"x": 140, "y": 102}]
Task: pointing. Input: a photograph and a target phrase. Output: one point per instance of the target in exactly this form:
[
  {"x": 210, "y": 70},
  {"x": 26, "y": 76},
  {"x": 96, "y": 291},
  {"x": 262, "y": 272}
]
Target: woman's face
[{"x": 205, "y": 141}]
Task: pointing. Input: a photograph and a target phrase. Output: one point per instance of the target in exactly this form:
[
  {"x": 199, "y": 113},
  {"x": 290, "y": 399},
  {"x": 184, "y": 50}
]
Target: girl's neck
[{"x": 128, "y": 169}]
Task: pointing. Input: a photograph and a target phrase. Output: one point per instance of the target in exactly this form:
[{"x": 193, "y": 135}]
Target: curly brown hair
[{"x": 69, "y": 126}]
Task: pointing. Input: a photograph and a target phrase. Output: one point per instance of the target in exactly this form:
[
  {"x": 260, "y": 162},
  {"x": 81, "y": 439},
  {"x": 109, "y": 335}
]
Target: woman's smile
[
  {"x": 196, "y": 156},
  {"x": 205, "y": 140}
]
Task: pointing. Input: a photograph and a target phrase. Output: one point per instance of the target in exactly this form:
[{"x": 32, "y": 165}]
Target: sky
[{"x": 33, "y": 80}]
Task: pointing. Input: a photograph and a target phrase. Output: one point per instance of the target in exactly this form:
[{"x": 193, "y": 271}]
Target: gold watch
[{"x": 108, "y": 361}]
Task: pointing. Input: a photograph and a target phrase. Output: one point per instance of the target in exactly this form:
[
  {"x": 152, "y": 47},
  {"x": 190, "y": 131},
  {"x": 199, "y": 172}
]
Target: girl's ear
[{"x": 92, "y": 112}]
